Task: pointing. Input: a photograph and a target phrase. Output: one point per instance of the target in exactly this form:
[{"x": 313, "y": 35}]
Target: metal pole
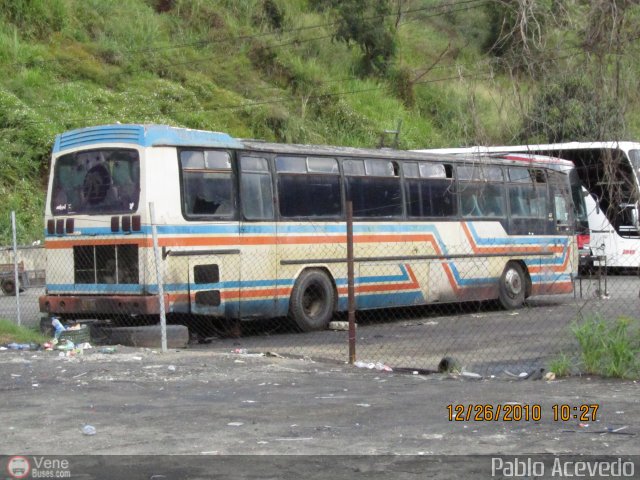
[
  {"x": 16, "y": 278},
  {"x": 350, "y": 285},
  {"x": 156, "y": 253}
]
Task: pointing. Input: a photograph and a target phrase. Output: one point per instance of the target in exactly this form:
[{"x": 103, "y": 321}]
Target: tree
[
  {"x": 370, "y": 25},
  {"x": 571, "y": 109},
  {"x": 517, "y": 30}
]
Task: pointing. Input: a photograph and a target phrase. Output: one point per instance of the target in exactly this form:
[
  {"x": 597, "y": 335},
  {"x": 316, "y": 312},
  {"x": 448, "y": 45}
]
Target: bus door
[
  {"x": 258, "y": 279},
  {"x": 211, "y": 244}
]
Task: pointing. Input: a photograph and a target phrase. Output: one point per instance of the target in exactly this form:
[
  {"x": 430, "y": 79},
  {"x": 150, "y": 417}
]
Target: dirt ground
[{"x": 199, "y": 402}]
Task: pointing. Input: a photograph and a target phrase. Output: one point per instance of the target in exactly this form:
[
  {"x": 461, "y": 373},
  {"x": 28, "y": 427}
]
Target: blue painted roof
[{"x": 143, "y": 135}]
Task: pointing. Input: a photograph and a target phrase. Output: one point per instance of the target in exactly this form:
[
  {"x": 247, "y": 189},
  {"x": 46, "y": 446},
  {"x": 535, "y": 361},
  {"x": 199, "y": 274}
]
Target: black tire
[
  {"x": 513, "y": 286},
  {"x": 313, "y": 301},
  {"x": 9, "y": 287}
]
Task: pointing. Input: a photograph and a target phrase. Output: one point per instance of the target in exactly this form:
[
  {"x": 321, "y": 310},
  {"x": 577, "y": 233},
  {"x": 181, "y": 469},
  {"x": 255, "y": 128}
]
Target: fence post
[
  {"x": 350, "y": 285},
  {"x": 156, "y": 253},
  {"x": 16, "y": 277}
]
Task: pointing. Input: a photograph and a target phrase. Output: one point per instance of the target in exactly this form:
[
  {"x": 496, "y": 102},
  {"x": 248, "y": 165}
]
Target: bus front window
[{"x": 101, "y": 181}]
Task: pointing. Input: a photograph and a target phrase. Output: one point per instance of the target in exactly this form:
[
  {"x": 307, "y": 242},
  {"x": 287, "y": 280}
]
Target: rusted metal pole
[{"x": 350, "y": 285}]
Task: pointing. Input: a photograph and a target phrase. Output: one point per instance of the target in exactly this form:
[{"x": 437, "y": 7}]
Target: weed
[
  {"x": 608, "y": 349},
  {"x": 561, "y": 365},
  {"x": 11, "y": 332}
]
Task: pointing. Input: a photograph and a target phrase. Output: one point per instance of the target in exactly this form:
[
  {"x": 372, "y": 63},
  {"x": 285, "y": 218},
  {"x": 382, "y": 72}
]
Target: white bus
[
  {"x": 250, "y": 229},
  {"x": 610, "y": 172}
]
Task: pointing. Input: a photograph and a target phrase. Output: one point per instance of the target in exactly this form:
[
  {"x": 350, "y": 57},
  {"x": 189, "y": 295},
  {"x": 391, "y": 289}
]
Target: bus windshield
[{"x": 103, "y": 181}]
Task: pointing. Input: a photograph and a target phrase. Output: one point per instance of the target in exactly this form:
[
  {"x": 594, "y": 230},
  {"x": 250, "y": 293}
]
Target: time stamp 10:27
[{"x": 516, "y": 412}]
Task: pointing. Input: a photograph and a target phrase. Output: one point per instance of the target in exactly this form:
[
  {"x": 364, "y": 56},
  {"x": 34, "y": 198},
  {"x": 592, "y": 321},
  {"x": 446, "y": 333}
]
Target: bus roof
[
  {"x": 504, "y": 159},
  {"x": 542, "y": 147},
  {"x": 162, "y": 135},
  {"x": 143, "y": 135}
]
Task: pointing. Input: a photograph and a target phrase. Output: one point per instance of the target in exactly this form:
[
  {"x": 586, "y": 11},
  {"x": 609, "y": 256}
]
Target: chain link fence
[{"x": 415, "y": 307}]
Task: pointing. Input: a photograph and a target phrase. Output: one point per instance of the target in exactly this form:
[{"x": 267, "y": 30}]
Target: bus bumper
[{"x": 101, "y": 304}]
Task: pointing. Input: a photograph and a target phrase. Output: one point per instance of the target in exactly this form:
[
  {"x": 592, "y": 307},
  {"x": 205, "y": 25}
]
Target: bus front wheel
[
  {"x": 512, "y": 286},
  {"x": 312, "y": 301}
]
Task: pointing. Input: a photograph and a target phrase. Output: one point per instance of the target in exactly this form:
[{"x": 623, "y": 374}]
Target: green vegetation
[
  {"x": 455, "y": 73},
  {"x": 561, "y": 365},
  {"x": 611, "y": 350},
  {"x": 10, "y": 332},
  {"x": 607, "y": 348}
]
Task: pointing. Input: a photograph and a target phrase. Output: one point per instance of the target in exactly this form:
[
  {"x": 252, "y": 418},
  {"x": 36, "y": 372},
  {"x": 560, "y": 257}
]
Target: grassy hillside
[{"x": 269, "y": 69}]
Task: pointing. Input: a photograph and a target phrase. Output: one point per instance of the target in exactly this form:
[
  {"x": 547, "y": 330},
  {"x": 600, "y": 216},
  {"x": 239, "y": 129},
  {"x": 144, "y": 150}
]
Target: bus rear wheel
[
  {"x": 312, "y": 301},
  {"x": 512, "y": 286}
]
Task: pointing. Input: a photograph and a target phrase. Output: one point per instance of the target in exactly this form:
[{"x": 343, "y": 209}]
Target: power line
[
  {"x": 228, "y": 39},
  {"x": 283, "y": 99},
  {"x": 310, "y": 27},
  {"x": 278, "y": 100},
  {"x": 287, "y": 99}
]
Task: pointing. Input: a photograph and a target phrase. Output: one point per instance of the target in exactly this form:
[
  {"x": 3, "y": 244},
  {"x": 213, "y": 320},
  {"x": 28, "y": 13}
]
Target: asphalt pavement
[{"x": 205, "y": 403}]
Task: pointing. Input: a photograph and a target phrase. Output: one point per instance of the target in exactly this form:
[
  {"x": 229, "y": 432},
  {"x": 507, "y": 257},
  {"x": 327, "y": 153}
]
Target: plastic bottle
[{"x": 65, "y": 345}]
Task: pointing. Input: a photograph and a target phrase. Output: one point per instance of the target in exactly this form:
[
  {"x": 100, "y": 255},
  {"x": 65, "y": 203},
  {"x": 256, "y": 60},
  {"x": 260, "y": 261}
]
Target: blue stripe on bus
[
  {"x": 551, "y": 278},
  {"x": 261, "y": 307},
  {"x": 395, "y": 299},
  {"x": 527, "y": 240},
  {"x": 402, "y": 277}
]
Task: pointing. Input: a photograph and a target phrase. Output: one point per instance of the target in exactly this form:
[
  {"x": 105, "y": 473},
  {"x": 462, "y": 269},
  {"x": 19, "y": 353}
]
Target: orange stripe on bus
[
  {"x": 412, "y": 285},
  {"x": 555, "y": 268}
]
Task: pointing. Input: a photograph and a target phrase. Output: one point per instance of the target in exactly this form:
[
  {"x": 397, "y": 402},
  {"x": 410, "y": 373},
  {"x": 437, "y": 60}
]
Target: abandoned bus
[
  {"x": 250, "y": 229},
  {"x": 609, "y": 171}
]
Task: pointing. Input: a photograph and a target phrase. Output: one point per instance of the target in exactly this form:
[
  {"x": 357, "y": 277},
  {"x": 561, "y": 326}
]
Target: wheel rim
[
  {"x": 313, "y": 300},
  {"x": 513, "y": 283}
]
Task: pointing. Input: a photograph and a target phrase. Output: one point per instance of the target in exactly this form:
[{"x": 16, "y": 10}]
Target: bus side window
[
  {"x": 308, "y": 187},
  {"x": 429, "y": 190},
  {"x": 207, "y": 184},
  {"x": 376, "y": 191},
  {"x": 479, "y": 200},
  {"x": 256, "y": 191},
  {"x": 470, "y": 205}
]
